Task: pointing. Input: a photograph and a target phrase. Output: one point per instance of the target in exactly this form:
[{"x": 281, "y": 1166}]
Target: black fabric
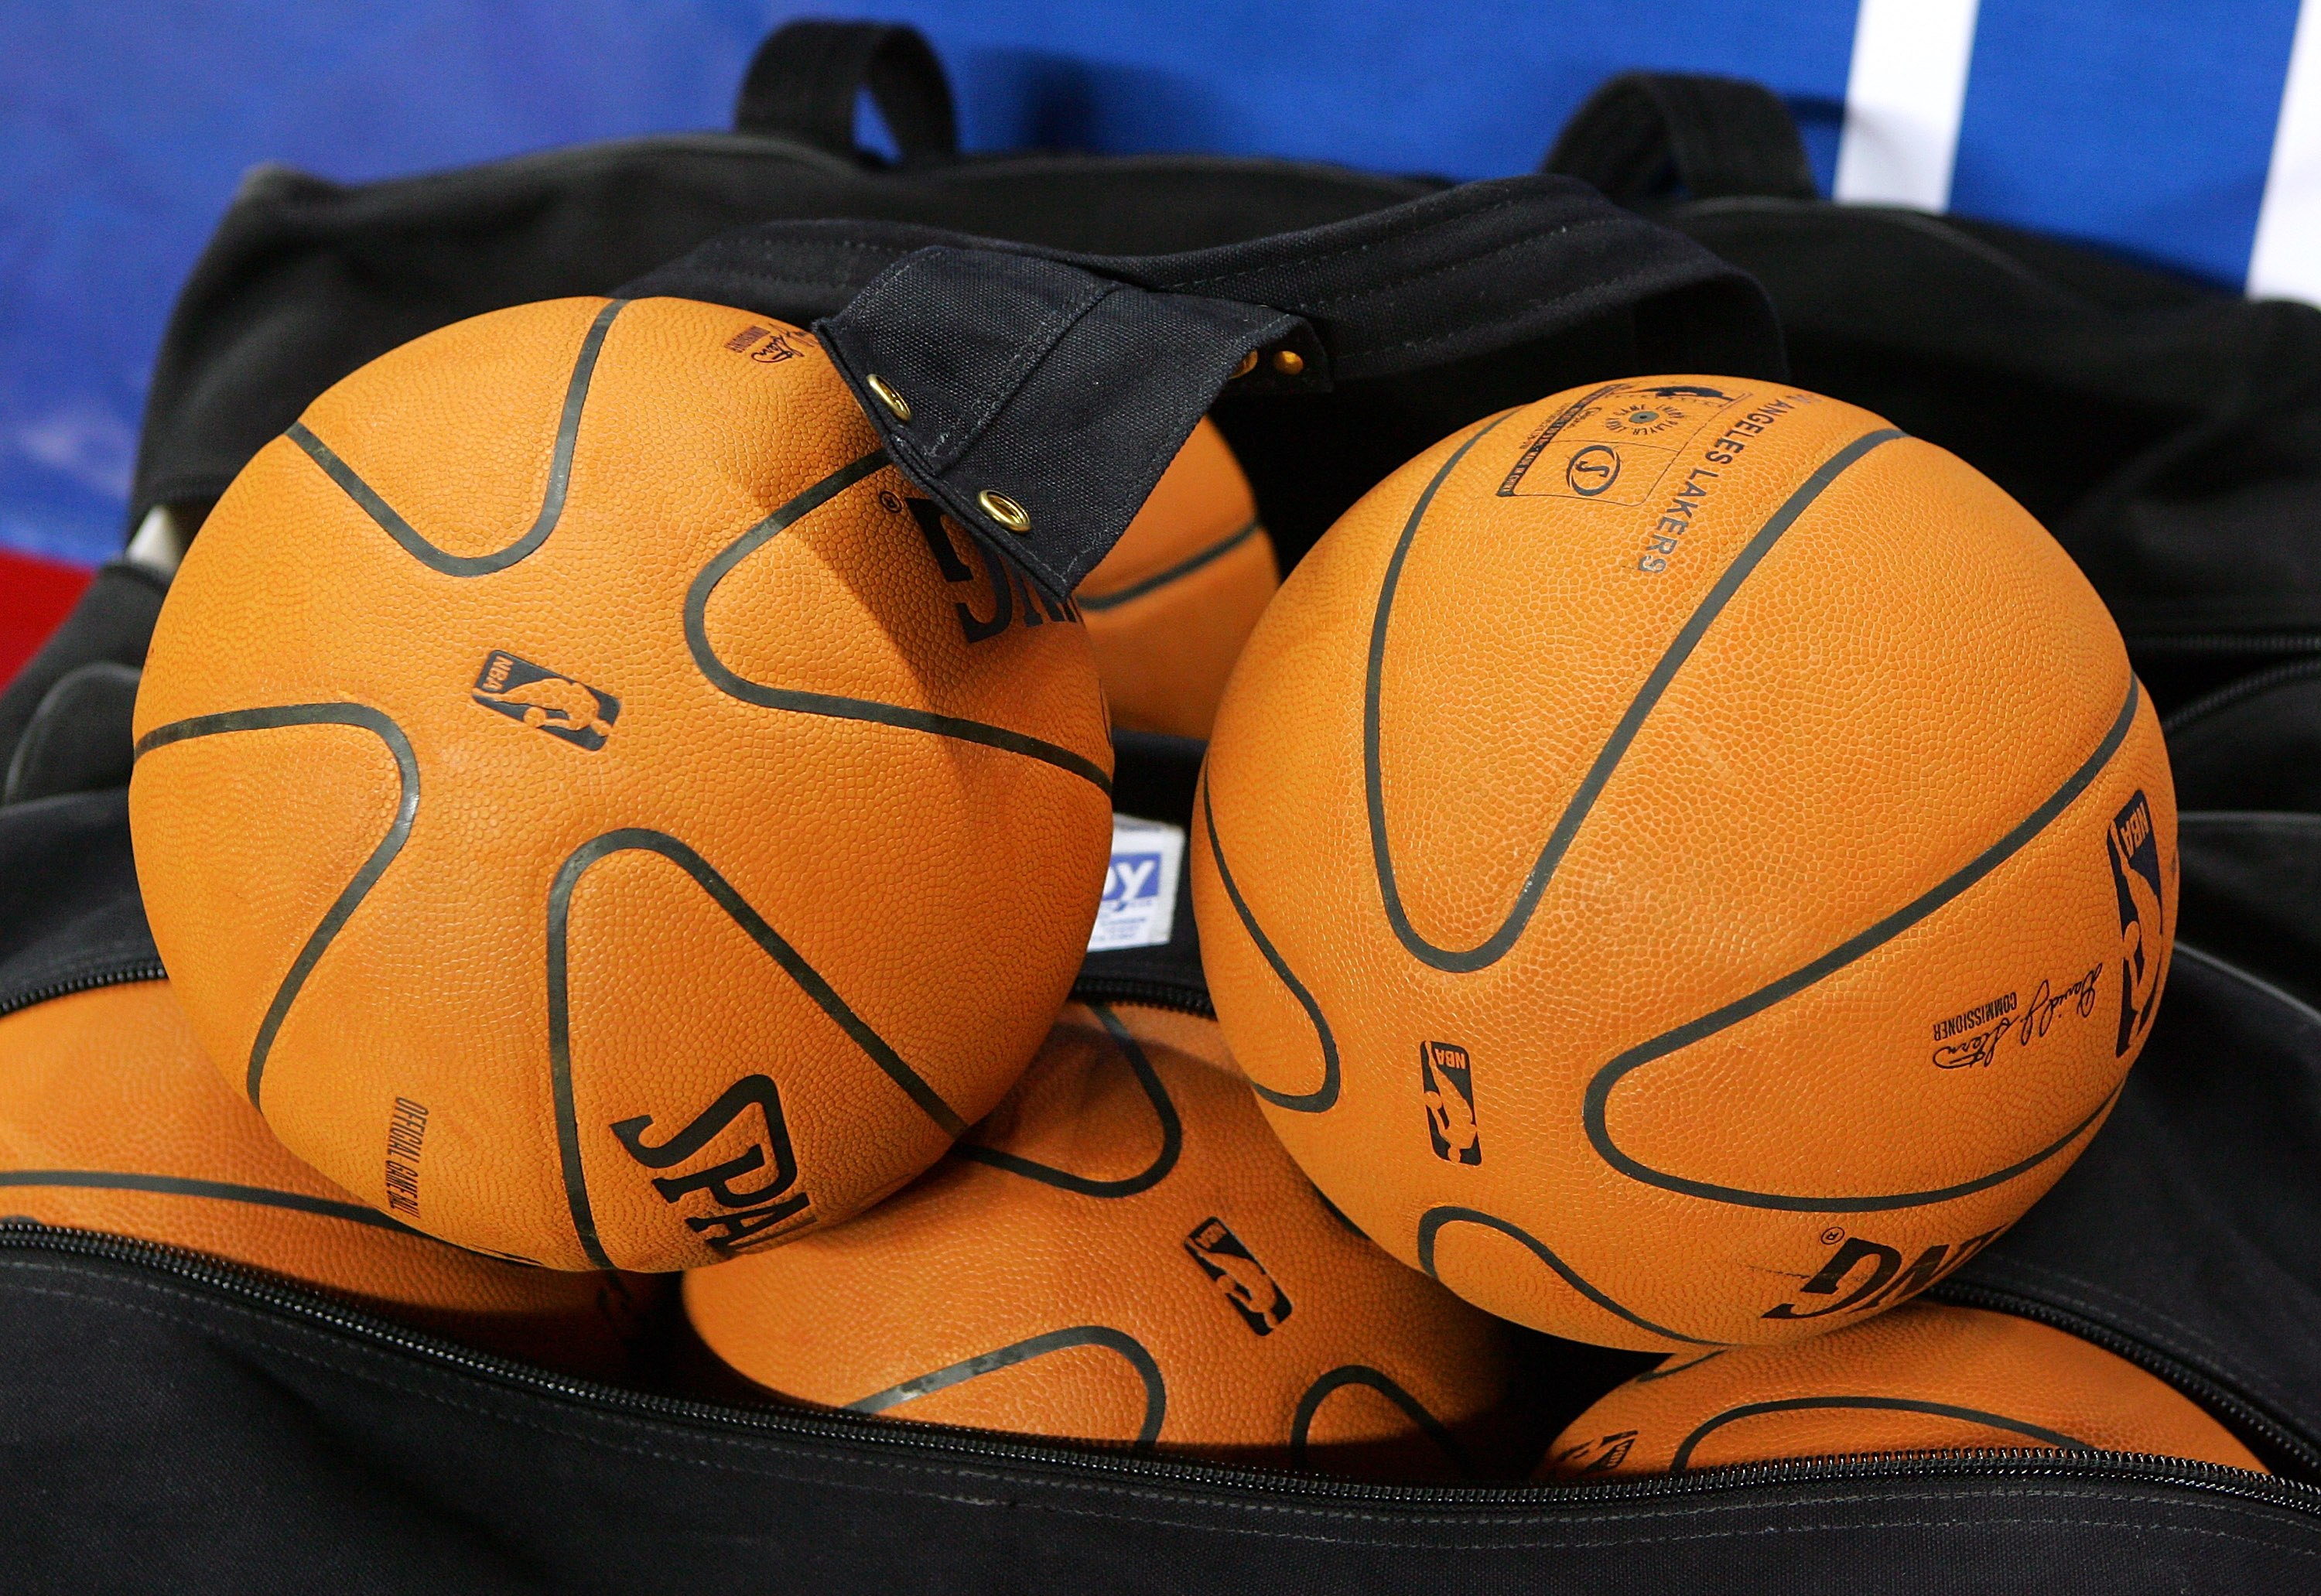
[
  {"x": 112, "y": 622},
  {"x": 2256, "y": 745},
  {"x": 1065, "y": 393},
  {"x": 1422, "y": 316},
  {"x": 70, "y": 912},
  {"x": 1645, "y": 135},
  {"x": 806, "y": 77},
  {"x": 2253, "y": 892},
  {"x": 2169, "y": 433},
  {"x": 240, "y": 1450},
  {"x": 79, "y": 739},
  {"x": 2188, "y": 1225}
]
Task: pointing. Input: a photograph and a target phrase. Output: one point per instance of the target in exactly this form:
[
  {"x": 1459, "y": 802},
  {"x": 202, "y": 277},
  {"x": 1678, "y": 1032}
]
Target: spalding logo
[
  {"x": 750, "y": 1217},
  {"x": 1226, "y": 1261},
  {"x": 1603, "y": 1454},
  {"x": 1884, "y": 1283},
  {"x": 543, "y": 699},
  {"x": 2136, "y": 872}
]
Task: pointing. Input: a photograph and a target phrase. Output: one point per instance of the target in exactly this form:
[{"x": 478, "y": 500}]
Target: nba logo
[
  {"x": 1229, "y": 1263},
  {"x": 546, "y": 700},
  {"x": 2143, "y": 930},
  {"x": 1447, "y": 1079}
]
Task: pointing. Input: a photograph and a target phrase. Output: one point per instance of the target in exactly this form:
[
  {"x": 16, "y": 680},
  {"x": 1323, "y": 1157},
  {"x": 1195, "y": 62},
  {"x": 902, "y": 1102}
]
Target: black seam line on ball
[
  {"x": 1156, "y": 1392},
  {"x": 736, "y": 686},
  {"x": 362, "y": 717},
  {"x": 1172, "y": 1132},
  {"x": 1599, "y": 1089},
  {"x": 737, "y": 908},
  {"x": 1325, "y": 1096},
  {"x": 1183, "y": 568},
  {"x": 1664, "y": 1370},
  {"x": 1301, "y": 1423},
  {"x": 1432, "y": 1222},
  {"x": 1493, "y": 947},
  {"x": 221, "y": 1191},
  {"x": 1999, "y": 1421},
  {"x": 551, "y": 503}
]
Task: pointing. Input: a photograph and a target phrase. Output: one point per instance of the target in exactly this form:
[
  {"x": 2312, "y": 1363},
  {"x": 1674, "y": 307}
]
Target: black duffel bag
[
  {"x": 2167, "y": 433},
  {"x": 172, "y": 1420}
]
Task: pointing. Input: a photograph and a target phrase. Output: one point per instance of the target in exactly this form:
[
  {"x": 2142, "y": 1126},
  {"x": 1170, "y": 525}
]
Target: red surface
[{"x": 34, "y": 596}]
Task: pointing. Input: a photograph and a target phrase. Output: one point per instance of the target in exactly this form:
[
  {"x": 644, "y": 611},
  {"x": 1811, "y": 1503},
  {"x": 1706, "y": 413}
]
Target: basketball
[
  {"x": 112, "y": 1120},
  {"x": 1685, "y": 864},
  {"x": 1167, "y": 610},
  {"x": 574, "y": 737},
  {"x": 1925, "y": 1378},
  {"x": 1121, "y": 1252}
]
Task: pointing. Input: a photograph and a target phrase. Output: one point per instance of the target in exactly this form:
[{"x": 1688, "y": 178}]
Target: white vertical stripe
[
  {"x": 1903, "y": 95},
  {"x": 2286, "y": 262}
]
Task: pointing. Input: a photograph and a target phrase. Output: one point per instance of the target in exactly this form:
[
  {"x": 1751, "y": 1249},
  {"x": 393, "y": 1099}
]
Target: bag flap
[{"x": 1067, "y": 382}]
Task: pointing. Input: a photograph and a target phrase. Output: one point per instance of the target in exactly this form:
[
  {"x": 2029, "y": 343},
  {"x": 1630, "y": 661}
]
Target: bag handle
[
  {"x": 804, "y": 80},
  {"x": 1644, "y": 133}
]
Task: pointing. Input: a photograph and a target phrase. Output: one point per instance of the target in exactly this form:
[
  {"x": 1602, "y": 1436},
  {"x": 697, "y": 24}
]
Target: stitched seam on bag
[{"x": 1620, "y": 1522}]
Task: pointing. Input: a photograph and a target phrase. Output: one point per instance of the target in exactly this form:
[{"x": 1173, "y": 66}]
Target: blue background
[{"x": 124, "y": 128}]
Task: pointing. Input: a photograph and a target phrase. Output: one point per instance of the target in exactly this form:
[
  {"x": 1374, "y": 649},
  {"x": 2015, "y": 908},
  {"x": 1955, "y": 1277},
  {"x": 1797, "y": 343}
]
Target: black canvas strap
[
  {"x": 1064, "y": 383},
  {"x": 1643, "y": 134},
  {"x": 1040, "y": 403},
  {"x": 806, "y": 77}
]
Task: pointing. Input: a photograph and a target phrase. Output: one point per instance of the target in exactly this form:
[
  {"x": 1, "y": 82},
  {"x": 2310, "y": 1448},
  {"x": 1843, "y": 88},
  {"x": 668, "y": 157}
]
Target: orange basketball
[
  {"x": 1121, "y": 1252},
  {"x": 1685, "y": 864},
  {"x": 110, "y": 1118},
  {"x": 1923, "y": 1379},
  {"x": 571, "y": 728},
  {"x": 1169, "y": 609}
]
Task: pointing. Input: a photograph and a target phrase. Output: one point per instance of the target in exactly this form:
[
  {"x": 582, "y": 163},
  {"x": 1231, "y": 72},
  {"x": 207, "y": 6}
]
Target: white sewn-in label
[{"x": 1139, "y": 888}]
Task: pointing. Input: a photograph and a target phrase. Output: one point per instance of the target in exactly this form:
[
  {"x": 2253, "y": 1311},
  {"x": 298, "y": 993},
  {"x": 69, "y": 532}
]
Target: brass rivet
[
  {"x": 1248, "y": 364},
  {"x": 888, "y": 396},
  {"x": 1289, "y": 362},
  {"x": 1010, "y": 514}
]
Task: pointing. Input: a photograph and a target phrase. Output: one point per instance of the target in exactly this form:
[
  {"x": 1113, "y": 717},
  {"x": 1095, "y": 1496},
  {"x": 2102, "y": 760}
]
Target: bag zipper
[
  {"x": 2225, "y": 642},
  {"x": 2233, "y": 692},
  {"x": 107, "y": 975},
  {"x": 312, "y": 1307},
  {"x": 309, "y": 1307},
  {"x": 2218, "y": 1399},
  {"x": 1145, "y": 992}
]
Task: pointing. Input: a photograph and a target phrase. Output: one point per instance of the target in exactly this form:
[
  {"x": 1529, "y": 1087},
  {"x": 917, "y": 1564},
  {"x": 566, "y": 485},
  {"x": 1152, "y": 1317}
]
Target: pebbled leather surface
[
  {"x": 1924, "y": 1378},
  {"x": 1169, "y": 609},
  {"x": 102, "y": 1088},
  {"x": 1753, "y": 914},
  {"x": 1085, "y": 1223},
  {"x": 931, "y": 880}
]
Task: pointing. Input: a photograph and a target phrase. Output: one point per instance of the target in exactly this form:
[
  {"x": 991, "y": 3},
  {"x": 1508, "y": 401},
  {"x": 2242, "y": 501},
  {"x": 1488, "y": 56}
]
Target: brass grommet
[
  {"x": 1248, "y": 364},
  {"x": 1010, "y": 514},
  {"x": 1289, "y": 362},
  {"x": 888, "y": 396}
]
